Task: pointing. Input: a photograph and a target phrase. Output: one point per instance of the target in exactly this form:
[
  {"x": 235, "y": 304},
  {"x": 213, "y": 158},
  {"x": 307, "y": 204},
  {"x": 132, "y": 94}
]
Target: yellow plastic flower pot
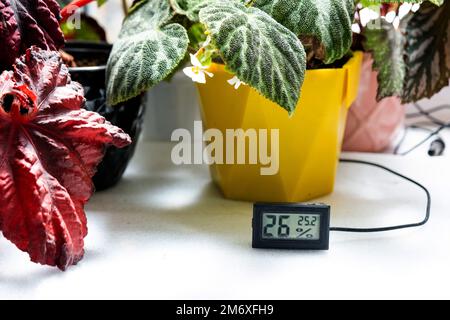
[{"x": 310, "y": 140}]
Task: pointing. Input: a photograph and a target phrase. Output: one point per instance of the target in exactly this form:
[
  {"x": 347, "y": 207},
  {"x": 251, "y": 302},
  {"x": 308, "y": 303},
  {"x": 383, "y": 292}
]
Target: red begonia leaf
[
  {"x": 24, "y": 23},
  {"x": 49, "y": 149}
]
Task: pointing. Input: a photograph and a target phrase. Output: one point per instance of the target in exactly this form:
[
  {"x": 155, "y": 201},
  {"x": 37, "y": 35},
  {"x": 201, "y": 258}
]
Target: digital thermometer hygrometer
[{"x": 291, "y": 226}]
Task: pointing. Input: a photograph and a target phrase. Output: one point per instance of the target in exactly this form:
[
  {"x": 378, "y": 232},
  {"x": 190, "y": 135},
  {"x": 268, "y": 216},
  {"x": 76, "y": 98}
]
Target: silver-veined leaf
[
  {"x": 147, "y": 51},
  {"x": 189, "y": 8},
  {"x": 259, "y": 50},
  {"x": 329, "y": 21}
]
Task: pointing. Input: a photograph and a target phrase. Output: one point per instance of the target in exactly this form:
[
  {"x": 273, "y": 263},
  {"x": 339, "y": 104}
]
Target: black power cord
[
  {"x": 428, "y": 113},
  {"x": 437, "y": 146},
  {"x": 392, "y": 228},
  {"x": 429, "y": 137}
]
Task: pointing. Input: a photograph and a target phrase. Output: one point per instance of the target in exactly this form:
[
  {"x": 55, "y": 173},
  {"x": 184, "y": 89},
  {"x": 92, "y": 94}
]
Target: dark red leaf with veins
[
  {"x": 49, "y": 149},
  {"x": 24, "y": 23}
]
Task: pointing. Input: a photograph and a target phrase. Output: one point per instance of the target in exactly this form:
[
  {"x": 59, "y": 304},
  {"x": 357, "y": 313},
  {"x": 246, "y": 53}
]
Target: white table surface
[{"x": 166, "y": 232}]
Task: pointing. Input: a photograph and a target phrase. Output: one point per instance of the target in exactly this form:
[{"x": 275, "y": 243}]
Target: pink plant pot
[{"x": 371, "y": 125}]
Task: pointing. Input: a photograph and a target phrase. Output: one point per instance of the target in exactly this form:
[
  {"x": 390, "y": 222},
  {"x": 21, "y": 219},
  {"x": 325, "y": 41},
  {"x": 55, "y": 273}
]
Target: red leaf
[
  {"x": 49, "y": 149},
  {"x": 24, "y": 23}
]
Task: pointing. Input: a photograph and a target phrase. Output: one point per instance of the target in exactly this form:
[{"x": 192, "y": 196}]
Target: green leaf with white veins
[
  {"x": 147, "y": 51},
  {"x": 189, "y": 8},
  {"x": 329, "y": 21},
  {"x": 259, "y": 50}
]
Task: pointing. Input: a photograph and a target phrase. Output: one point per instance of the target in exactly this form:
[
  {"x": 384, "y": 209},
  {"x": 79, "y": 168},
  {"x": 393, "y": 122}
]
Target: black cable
[
  {"x": 428, "y": 115},
  {"x": 437, "y": 147},
  {"x": 417, "y": 125},
  {"x": 402, "y": 140},
  {"x": 420, "y": 126},
  {"x": 428, "y": 112},
  {"x": 383, "y": 229},
  {"x": 431, "y": 135}
]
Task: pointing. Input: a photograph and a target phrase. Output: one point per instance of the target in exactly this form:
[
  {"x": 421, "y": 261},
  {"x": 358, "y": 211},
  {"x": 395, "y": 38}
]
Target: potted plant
[
  {"x": 90, "y": 51},
  {"x": 389, "y": 78},
  {"x": 49, "y": 144},
  {"x": 267, "y": 46},
  {"x": 373, "y": 123}
]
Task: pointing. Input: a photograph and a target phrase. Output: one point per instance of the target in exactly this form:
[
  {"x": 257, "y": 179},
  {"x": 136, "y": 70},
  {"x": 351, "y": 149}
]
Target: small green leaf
[
  {"x": 427, "y": 52},
  {"x": 189, "y": 8},
  {"x": 196, "y": 35},
  {"x": 147, "y": 51},
  {"x": 387, "y": 47},
  {"x": 329, "y": 21},
  {"x": 259, "y": 50},
  {"x": 371, "y": 3},
  {"x": 146, "y": 13},
  {"x": 101, "y": 2},
  {"x": 436, "y": 2}
]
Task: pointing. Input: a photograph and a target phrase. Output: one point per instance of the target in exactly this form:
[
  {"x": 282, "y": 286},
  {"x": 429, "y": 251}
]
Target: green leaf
[
  {"x": 387, "y": 47},
  {"x": 427, "y": 52},
  {"x": 147, "y": 51},
  {"x": 189, "y": 8},
  {"x": 329, "y": 21},
  {"x": 89, "y": 30},
  {"x": 371, "y": 3},
  {"x": 260, "y": 51},
  {"x": 101, "y": 2},
  {"x": 436, "y": 2}
]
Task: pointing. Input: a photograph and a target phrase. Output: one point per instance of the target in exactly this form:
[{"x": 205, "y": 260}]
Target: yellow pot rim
[{"x": 220, "y": 67}]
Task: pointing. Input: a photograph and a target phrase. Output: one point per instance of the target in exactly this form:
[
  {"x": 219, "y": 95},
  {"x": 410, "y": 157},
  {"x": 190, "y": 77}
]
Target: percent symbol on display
[{"x": 302, "y": 232}]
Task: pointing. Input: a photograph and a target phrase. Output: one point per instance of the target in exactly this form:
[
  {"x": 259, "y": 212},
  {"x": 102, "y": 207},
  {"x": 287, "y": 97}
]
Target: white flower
[
  {"x": 207, "y": 42},
  {"x": 396, "y": 23},
  {"x": 236, "y": 82},
  {"x": 415, "y": 7},
  {"x": 390, "y": 16},
  {"x": 197, "y": 71}
]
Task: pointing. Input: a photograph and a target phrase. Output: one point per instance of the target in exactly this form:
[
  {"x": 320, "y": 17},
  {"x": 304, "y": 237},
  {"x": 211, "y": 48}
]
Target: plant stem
[
  {"x": 250, "y": 3},
  {"x": 125, "y": 7}
]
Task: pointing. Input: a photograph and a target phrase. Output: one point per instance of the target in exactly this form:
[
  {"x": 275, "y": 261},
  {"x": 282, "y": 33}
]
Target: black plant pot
[{"x": 128, "y": 115}]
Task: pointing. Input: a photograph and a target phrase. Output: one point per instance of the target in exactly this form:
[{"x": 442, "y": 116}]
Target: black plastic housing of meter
[{"x": 291, "y": 226}]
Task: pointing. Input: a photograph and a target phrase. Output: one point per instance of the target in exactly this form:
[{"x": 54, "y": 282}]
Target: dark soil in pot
[{"x": 91, "y": 59}]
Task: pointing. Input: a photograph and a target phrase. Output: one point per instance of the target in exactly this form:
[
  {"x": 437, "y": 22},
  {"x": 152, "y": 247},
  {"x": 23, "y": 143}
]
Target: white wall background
[{"x": 110, "y": 16}]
